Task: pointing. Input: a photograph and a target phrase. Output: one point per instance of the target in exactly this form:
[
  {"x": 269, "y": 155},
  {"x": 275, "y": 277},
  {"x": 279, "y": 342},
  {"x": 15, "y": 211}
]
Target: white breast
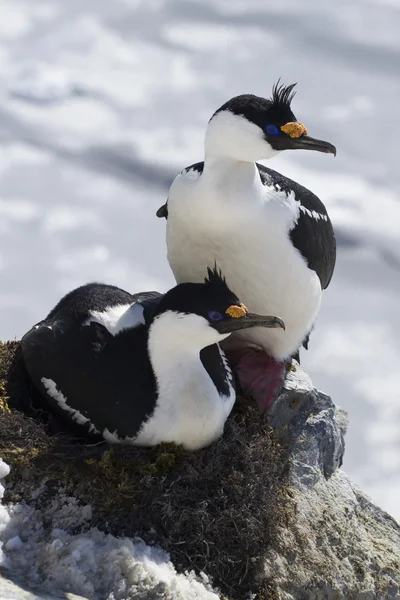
[
  {"x": 189, "y": 409},
  {"x": 192, "y": 415},
  {"x": 244, "y": 227}
]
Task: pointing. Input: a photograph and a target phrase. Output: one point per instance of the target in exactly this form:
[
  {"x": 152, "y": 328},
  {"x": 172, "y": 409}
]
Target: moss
[
  {"x": 268, "y": 593},
  {"x": 3, "y": 400},
  {"x": 215, "y": 510},
  {"x": 7, "y": 353}
]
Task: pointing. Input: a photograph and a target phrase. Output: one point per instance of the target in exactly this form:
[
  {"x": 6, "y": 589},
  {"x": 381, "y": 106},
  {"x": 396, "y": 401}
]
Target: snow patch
[
  {"x": 4, "y": 469},
  {"x": 93, "y": 564}
]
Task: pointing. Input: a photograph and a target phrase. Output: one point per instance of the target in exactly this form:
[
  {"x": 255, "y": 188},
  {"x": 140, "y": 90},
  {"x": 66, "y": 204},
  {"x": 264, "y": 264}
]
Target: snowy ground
[
  {"x": 101, "y": 103},
  {"x": 93, "y": 564}
]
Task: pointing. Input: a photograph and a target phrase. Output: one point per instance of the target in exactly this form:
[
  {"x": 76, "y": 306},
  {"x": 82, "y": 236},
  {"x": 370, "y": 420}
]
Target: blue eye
[
  {"x": 272, "y": 129},
  {"x": 214, "y": 315}
]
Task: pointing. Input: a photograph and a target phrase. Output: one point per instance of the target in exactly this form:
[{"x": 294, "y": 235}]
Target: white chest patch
[
  {"x": 54, "y": 392},
  {"x": 244, "y": 227},
  {"x": 192, "y": 413},
  {"x": 189, "y": 409},
  {"x": 118, "y": 317}
]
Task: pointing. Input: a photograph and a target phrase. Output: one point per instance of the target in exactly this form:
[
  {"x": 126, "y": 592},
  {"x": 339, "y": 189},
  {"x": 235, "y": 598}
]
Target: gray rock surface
[
  {"x": 306, "y": 419},
  {"x": 341, "y": 546}
]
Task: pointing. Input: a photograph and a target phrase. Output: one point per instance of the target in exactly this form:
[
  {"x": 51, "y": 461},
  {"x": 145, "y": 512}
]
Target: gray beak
[
  {"x": 305, "y": 142},
  {"x": 250, "y": 320}
]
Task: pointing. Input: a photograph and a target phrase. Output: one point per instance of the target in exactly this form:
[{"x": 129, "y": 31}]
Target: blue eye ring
[
  {"x": 214, "y": 315},
  {"x": 272, "y": 130}
]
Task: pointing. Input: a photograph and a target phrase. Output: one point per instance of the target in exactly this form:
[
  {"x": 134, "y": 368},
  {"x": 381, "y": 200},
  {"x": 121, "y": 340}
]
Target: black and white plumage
[
  {"x": 272, "y": 238},
  {"x": 143, "y": 368}
]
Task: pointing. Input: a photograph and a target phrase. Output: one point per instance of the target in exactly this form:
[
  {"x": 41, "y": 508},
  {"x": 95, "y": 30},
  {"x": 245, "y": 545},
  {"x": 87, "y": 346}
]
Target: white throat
[
  {"x": 233, "y": 136},
  {"x": 189, "y": 409}
]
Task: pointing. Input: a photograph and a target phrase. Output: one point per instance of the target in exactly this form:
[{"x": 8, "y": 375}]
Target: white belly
[
  {"x": 255, "y": 254},
  {"x": 189, "y": 412},
  {"x": 191, "y": 429}
]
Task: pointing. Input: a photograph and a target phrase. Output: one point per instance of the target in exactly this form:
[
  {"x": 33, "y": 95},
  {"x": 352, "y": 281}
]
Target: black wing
[
  {"x": 163, "y": 211},
  {"x": 149, "y": 301},
  {"x": 313, "y": 234},
  {"x": 107, "y": 378},
  {"x": 215, "y": 367}
]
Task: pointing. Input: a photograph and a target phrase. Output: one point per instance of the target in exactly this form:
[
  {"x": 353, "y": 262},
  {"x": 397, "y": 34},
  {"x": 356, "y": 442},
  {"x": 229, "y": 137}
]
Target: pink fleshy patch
[{"x": 259, "y": 374}]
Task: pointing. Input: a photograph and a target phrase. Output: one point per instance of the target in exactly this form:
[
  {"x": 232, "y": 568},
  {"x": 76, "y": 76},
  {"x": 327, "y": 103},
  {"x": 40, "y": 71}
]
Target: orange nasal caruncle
[
  {"x": 236, "y": 311},
  {"x": 294, "y": 129}
]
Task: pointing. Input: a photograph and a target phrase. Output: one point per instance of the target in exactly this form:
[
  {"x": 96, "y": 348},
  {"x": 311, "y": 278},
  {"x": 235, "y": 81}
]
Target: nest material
[{"x": 216, "y": 510}]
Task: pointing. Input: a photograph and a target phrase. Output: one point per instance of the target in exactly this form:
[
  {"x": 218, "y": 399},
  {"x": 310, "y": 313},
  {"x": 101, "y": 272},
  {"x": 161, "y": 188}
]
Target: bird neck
[
  {"x": 223, "y": 171},
  {"x": 180, "y": 375},
  {"x": 234, "y": 136}
]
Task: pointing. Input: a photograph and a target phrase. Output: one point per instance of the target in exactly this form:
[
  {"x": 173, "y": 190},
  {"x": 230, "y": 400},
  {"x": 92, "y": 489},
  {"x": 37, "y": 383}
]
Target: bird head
[
  {"x": 249, "y": 128},
  {"x": 200, "y": 314}
]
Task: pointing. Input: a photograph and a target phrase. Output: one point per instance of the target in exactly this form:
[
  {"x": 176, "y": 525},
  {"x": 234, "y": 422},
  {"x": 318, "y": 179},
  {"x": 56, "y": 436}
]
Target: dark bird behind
[{"x": 140, "y": 369}]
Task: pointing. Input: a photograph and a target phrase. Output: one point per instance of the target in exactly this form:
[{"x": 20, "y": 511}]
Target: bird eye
[
  {"x": 214, "y": 315},
  {"x": 272, "y": 129}
]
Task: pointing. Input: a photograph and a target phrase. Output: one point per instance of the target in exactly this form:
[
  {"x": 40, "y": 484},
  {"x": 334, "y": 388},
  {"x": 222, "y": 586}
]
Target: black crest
[
  {"x": 262, "y": 111},
  {"x": 216, "y": 288},
  {"x": 215, "y": 277},
  {"x": 216, "y": 284},
  {"x": 282, "y": 96},
  {"x": 199, "y": 298}
]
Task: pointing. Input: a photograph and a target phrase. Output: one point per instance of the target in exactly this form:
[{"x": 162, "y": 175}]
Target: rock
[
  {"x": 340, "y": 546},
  {"x": 306, "y": 420}
]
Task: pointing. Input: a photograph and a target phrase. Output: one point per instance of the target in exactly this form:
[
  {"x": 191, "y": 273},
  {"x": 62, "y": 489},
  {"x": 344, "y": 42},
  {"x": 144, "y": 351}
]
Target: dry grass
[{"x": 215, "y": 510}]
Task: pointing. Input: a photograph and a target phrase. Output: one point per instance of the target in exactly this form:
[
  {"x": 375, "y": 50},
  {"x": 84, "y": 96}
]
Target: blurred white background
[{"x": 102, "y": 103}]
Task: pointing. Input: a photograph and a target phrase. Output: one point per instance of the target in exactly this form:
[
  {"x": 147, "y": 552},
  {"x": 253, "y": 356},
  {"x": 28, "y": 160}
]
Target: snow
[
  {"x": 93, "y": 564},
  {"x": 102, "y": 105},
  {"x": 4, "y": 469}
]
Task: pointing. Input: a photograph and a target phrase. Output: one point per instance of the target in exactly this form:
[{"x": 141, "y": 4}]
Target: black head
[
  {"x": 262, "y": 111},
  {"x": 219, "y": 309},
  {"x": 275, "y": 120}
]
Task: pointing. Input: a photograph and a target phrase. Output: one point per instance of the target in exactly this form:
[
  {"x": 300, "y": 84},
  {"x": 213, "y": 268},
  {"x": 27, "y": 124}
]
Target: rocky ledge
[
  {"x": 339, "y": 545},
  {"x": 264, "y": 513}
]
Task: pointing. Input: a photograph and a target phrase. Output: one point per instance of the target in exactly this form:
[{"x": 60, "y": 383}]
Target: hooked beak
[
  {"x": 305, "y": 142},
  {"x": 250, "y": 320}
]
